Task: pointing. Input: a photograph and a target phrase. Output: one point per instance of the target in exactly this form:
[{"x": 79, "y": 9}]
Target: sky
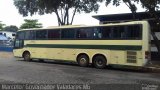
[{"x": 9, "y": 15}]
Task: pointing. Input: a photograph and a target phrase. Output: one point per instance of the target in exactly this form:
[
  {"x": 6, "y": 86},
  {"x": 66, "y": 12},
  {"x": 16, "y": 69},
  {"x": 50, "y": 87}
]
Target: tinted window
[
  {"x": 53, "y": 34},
  {"x": 118, "y": 32},
  {"x": 134, "y": 32},
  {"x": 41, "y": 34},
  {"x": 85, "y": 33},
  {"x": 121, "y": 32},
  {"x": 30, "y": 35},
  {"x": 97, "y": 34},
  {"x": 18, "y": 44},
  {"x": 20, "y": 35},
  {"x": 13, "y": 34},
  {"x": 27, "y": 35},
  {"x": 68, "y": 33},
  {"x": 106, "y": 32}
]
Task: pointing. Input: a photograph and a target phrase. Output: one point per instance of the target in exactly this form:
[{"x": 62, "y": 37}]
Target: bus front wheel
[
  {"x": 83, "y": 60},
  {"x": 27, "y": 56},
  {"x": 99, "y": 62}
]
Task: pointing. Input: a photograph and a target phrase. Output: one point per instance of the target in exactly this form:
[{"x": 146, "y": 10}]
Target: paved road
[{"x": 18, "y": 71}]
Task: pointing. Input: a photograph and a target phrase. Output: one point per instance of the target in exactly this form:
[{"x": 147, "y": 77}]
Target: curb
[{"x": 152, "y": 69}]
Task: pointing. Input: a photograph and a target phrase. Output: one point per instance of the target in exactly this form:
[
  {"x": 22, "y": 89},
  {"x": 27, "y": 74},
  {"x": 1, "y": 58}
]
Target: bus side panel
[
  {"x": 17, "y": 52},
  {"x": 65, "y": 54},
  {"x": 132, "y": 58},
  {"x": 40, "y": 53},
  {"x": 118, "y": 57},
  {"x": 72, "y": 54}
]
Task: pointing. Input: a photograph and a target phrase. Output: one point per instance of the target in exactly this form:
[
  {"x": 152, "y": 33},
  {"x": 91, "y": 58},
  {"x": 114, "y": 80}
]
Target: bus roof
[{"x": 85, "y": 26}]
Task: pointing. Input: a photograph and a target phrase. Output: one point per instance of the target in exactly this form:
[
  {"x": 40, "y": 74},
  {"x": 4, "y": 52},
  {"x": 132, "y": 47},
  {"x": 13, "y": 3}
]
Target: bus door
[{"x": 18, "y": 46}]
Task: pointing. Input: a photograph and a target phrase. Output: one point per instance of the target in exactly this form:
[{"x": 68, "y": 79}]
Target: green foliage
[
  {"x": 129, "y": 3},
  {"x": 62, "y": 8},
  {"x": 149, "y": 5},
  {"x": 11, "y": 28},
  {"x": 31, "y": 24},
  {"x": 1, "y": 25}
]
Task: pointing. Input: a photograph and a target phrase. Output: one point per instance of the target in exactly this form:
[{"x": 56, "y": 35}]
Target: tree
[
  {"x": 1, "y": 25},
  {"x": 11, "y": 28},
  {"x": 31, "y": 24},
  {"x": 130, "y": 3},
  {"x": 151, "y": 6},
  {"x": 65, "y": 10}
]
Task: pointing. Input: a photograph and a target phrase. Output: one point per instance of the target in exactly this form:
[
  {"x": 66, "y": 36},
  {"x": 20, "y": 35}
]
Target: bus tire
[
  {"x": 27, "y": 56},
  {"x": 83, "y": 60},
  {"x": 99, "y": 62}
]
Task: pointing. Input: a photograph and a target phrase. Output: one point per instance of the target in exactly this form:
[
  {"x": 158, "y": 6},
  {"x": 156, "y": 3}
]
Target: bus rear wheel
[
  {"x": 99, "y": 62},
  {"x": 27, "y": 56},
  {"x": 83, "y": 60}
]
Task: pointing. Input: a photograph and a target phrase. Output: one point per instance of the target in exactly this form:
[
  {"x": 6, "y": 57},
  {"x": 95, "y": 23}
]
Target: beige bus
[{"x": 126, "y": 43}]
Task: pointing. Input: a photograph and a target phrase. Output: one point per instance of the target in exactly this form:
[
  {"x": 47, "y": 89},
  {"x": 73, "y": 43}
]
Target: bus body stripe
[{"x": 73, "y": 46}]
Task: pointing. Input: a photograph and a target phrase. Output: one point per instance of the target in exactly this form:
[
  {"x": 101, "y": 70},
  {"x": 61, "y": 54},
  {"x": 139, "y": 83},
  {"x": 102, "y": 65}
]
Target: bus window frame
[{"x": 92, "y": 37}]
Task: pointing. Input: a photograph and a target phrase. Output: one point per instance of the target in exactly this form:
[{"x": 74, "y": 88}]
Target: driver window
[{"x": 18, "y": 44}]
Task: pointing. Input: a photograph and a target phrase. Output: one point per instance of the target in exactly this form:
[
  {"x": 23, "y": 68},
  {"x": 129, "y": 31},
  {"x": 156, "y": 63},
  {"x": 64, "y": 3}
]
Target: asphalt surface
[{"x": 13, "y": 70}]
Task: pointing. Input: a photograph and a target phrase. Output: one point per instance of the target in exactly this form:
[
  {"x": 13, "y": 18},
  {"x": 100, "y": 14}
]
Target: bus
[{"x": 125, "y": 43}]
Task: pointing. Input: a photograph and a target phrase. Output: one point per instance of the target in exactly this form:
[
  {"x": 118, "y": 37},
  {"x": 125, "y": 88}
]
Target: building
[
  {"x": 116, "y": 18},
  {"x": 10, "y": 35},
  {"x": 7, "y": 38},
  {"x": 3, "y": 40}
]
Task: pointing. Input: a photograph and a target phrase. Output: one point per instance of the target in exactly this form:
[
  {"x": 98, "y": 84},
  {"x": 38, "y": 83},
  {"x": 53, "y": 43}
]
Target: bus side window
[
  {"x": 81, "y": 33},
  {"x": 85, "y": 33},
  {"x": 68, "y": 33},
  {"x": 41, "y": 34},
  {"x": 106, "y": 32},
  {"x": 122, "y": 34},
  {"x": 33, "y": 35},
  {"x": 134, "y": 32},
  {"x": 20, "y": 35},
  {"x": 27, "y": 35},
  {"x": 53, "y": 34},
  {"x": 97, "y": 34}
]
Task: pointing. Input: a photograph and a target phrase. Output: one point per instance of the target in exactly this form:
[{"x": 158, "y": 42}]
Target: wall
[
  {"x": 8, "y": 34},
  {"x": 6, "y": 49}
]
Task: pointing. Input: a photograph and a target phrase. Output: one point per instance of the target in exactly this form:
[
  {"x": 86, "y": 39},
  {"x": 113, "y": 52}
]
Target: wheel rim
[
  {"x": 82, "y": 61},
  {"x": 27, "y": 57},
  {"x": 99, "y": 62}
]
